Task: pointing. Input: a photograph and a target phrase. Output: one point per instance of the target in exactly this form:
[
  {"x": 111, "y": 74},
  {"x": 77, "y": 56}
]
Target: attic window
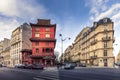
[{"x": 105, "y": 20}]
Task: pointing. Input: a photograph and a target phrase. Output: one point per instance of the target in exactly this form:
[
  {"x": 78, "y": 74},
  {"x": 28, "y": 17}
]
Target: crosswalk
[
  {"x": 52, "y": 73},
  {"x": 48, "y": 74}
]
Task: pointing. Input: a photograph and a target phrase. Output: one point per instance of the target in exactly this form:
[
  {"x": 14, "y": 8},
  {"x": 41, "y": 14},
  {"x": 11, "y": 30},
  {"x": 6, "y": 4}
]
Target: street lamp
[{"x": 62, "y": 40}]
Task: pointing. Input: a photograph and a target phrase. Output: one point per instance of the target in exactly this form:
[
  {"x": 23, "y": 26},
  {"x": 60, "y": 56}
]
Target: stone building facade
[
  {"x": 5, "y": 52},
  {"x": 1, "y": 49},
  {"x": 19, "y": 41},
  {"x": 94, "y": 45}
]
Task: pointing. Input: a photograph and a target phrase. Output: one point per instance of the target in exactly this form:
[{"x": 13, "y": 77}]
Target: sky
[{"x": 71, "y": 16}]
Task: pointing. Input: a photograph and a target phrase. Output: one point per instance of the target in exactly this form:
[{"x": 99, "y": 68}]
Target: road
[{"x": 61, "y": 74}]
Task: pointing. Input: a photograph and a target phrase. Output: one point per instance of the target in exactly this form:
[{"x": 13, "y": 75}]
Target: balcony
[
  {"x": 93, "y": 57},
  {"x": 106, "y": 38},
  {"x": 94, "y": 42}
]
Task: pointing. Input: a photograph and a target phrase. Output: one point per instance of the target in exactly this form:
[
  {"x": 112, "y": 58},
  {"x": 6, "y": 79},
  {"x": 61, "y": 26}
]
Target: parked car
[
  {"x": 118, "y": 63},
  {"x": 69, "y": 66},
  {"x": 4, "y": 65},
  {"x": 28, "y": 66},
  {"x": 82, "y": 65},
  {"x": 20, "y": 66},
  {"x": 37, "y": 66}
]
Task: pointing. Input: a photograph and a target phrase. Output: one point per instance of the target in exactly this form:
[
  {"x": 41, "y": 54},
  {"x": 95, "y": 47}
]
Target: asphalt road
[{"x": 54, "y": 74}]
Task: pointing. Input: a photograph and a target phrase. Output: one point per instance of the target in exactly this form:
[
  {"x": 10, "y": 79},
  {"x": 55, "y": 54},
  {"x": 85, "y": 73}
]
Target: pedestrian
[
  {"x": 58, "y": 66},
  {"x": 43, "y": 65}
]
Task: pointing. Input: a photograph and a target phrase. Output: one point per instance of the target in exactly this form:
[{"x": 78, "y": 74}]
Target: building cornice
[{"x": 45, "y": 39}]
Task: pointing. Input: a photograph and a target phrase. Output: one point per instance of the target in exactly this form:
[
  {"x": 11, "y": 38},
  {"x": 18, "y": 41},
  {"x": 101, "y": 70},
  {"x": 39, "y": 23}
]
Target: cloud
[
  {"x": 96, "y": 6},
  {"x": 111, "y": 12},
  {"x": 6, "y": 27},
  {"x": 21, "y": 8},
  {"x": 15, "y": 12}
]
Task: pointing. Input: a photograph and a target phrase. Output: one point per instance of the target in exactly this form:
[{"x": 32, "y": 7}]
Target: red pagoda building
[{"x": 43, "y": 42}]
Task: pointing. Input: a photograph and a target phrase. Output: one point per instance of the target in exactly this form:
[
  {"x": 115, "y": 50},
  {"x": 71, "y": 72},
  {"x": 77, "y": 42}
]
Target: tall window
[
  {"x": 37, "y": 43},
  {"x": 105, "y": 27},
  {"x": 37, "y": 35},
  {"x": 47, "y": 35},
  {"x": 47, "y": 29},
  {"x": 105, "y": 44},
  {"x": 37, "y": 50},
  {"x": 43, "y": 50},
  {"x": 105, "y": 52}
]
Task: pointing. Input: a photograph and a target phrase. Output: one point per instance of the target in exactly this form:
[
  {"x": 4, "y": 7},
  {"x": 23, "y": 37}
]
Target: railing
[
  {"x": 43, "y": 54},
  {"x": 106, "y": 38},
  {"x": 93, "y": 57},
  {"x": 94, "y": 42}
]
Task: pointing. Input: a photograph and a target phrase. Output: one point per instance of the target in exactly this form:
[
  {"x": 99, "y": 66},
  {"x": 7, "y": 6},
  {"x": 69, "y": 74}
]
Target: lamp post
[{"x": 62, "y": 40}]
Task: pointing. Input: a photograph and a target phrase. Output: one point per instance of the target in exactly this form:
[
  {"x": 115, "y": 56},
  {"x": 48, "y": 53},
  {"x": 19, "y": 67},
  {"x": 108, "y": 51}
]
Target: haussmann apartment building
[
  {"x": 19, "y": 41},
  {"x": 5, "y": 52},
  {"x": 94, "y": 45}
]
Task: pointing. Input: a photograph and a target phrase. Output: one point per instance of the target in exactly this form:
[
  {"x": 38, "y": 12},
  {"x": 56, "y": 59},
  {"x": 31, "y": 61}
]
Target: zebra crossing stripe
[
  {"x": 37, "y": 78},
  {"x": 47, "y": 78}
]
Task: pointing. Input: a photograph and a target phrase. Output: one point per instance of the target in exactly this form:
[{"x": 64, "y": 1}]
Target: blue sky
[{"x": 71, "y": 16}]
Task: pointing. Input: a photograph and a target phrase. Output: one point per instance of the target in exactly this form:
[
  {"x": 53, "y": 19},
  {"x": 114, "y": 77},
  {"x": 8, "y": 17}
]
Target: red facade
[
  {"x": 43, "y": 42},
  {"x": 26, "y": 56}
]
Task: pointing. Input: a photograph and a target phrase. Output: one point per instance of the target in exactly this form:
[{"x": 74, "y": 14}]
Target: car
[
  {"x": 28, "y": 66},
  {"x": 117, "y": 63},
  {"x": 69, "y": 66},
  {"x": 82, "y": 65},
  {"x": 37, "y": 66},
  {"x": 3, "y": 65},
  {"x": 20, "y": 66}
]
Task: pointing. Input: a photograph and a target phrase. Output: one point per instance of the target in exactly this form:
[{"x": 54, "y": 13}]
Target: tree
[{"x": 57, "y": 55}]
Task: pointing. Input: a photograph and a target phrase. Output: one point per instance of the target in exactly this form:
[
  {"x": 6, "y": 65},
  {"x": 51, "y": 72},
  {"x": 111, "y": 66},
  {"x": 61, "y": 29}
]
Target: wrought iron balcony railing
[
  {"x": 94, "y": 42},
  {"x": 106, "y": 38},
  {"x": 93, "y": 57}
]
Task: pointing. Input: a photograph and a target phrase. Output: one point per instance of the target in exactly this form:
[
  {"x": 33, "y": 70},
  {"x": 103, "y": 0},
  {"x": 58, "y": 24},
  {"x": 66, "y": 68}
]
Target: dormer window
[{"x": 105, "y": 20}]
